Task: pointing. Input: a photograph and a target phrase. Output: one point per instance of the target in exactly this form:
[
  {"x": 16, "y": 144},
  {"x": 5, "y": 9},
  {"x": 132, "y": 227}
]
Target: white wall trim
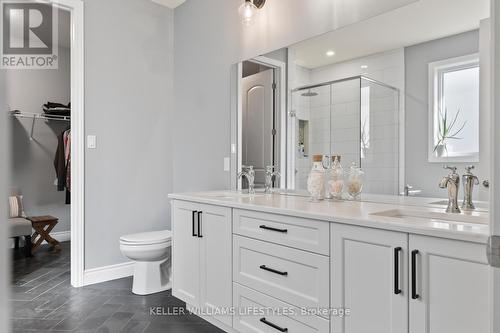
[
  {"x": 495, "y": 160},
  {"x": 108, "y": 273},
  {"x": 61, "y": 236},
  {"x": 75, "y": 7}
]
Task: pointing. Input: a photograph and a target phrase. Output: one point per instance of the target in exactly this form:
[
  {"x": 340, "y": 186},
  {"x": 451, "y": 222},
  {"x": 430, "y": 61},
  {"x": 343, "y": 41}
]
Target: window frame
[{"x": 436, "y": 74}]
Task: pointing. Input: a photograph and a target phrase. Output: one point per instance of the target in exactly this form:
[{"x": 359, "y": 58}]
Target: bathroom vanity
[{"x": 280, "y": 263}]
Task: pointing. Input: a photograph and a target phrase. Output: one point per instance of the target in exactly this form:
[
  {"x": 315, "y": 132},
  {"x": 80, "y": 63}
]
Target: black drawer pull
[
  {"x": 265, "y": 227},
  {"x": 276, "y": 327},
  {"x": 199, "y": 225},
  {"x": 414, "y": 294},
  {"x": 273, "y": 270},
  {"x": 193, "y": 220},
  {"x": 397, "y": 290}
]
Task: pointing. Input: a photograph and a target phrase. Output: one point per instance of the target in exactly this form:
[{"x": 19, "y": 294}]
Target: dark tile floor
[{"x": 42, "y": 300}]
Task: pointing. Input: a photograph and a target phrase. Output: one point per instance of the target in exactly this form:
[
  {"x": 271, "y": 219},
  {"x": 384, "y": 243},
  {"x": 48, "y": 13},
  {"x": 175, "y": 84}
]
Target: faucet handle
[
  {"x": 452, "y": 168},
  {"x": 469, "y": 168}
]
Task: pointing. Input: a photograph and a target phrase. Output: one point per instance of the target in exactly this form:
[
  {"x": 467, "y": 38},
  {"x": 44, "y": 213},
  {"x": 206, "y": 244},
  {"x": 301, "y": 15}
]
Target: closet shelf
[{"x": 41, "y": 116}]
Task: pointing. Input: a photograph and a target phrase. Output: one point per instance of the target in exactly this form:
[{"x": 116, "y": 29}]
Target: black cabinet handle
[
  {"x": 265, "y": 227},
  {"x": 397, "y": 290},
  {"x": 276, "y": 327},
  {"x": 199, "y": 225},
  {"x": 193, "y": 218},
  {"x": 414, "y": 294},
  {"x": 273, "y": 270}
]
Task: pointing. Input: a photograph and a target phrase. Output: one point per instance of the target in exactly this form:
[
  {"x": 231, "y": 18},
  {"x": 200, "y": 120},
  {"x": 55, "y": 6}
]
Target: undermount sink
[{"x": 469, "y": 217}]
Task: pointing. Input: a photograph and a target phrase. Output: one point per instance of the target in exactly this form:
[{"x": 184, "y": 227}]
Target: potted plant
[{"x": 447, "y": 131}]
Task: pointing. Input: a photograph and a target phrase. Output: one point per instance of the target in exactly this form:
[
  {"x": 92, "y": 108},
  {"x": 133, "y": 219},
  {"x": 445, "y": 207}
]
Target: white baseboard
[
  {"x": 61, "y": 236},
  {"x": 107, "y": 273}
]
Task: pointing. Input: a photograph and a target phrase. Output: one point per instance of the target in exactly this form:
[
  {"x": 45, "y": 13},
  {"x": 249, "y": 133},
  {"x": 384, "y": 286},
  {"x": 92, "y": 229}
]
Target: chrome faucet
[
  {"x": 410, "y": 191},
  {"x": 270, "y": 176},
  {"x": 469, "y": 180},
  {"x": 249, "y": 173},
  {"x": 452, "y": 183}
]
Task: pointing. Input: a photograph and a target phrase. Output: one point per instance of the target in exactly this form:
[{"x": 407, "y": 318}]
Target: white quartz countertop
[{"x": 403, "y": 214}]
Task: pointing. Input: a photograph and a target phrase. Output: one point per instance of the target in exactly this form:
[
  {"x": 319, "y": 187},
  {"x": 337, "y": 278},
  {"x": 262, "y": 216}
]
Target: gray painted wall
[
  {"x": 32, "y": 163},
  {"x": 128, "y": 105},
  {"x": 209, "y": 38},
  {"x": 419, "y": 172}
]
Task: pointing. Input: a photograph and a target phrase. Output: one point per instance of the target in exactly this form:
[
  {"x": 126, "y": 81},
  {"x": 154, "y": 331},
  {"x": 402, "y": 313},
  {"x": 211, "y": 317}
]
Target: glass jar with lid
[
  {"x": 336, "y": 179},
  {"x": 327, "y": 165},
  {"x": 355, "y": 181},
  {"x": 316, "y": 179}
]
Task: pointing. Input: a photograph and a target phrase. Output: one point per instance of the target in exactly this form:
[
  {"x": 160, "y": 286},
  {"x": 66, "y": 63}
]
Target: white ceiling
[
  {"x": 170, "y": 3},
  {"x": 419, "y": 22}
]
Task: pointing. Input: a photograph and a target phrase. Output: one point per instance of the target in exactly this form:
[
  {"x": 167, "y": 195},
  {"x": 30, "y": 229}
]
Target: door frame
[
  {"x": 75, "y": 7},
  {"x": 495, "y": 153},
  {"x": 237, "y": 108}
]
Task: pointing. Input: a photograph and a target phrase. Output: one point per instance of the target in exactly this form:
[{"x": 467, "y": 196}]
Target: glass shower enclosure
[{"x": 356, "y": 118}]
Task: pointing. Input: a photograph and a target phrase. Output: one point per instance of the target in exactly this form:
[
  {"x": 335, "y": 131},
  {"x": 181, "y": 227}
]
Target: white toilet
[{"x": 151, "y": 253}]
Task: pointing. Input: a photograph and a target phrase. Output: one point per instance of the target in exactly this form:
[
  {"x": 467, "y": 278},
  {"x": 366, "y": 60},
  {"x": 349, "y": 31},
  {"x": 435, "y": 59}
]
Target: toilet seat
[
  {"x": 147, "y": 238},
  {"x": 151, "y": 254}
]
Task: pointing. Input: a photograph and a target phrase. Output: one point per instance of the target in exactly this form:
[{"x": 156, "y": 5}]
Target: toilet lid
[{"x": 152, "y": 237}]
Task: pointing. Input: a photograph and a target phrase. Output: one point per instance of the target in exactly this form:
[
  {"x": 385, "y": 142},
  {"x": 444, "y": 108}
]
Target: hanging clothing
[
  {"x": 67, "y": 155},
  {"x": 62, "y": 163}
]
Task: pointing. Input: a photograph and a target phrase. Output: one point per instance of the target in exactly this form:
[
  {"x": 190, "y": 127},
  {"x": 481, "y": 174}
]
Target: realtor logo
[{"x": 29, "y": 35}]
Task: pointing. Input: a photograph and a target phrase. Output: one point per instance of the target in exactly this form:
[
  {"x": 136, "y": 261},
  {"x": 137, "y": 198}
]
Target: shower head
[{"x": 310, "y": 93}]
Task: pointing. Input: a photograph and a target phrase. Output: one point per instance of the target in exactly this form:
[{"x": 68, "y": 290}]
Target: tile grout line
[{"x": 41, "y": 284}]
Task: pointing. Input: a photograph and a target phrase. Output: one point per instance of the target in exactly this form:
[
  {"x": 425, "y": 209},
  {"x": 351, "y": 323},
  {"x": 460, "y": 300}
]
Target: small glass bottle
[
  {"x": 355, "y": 181},
  {"x": 336, "y": 182},
  {"x": 316, "y": 179}
]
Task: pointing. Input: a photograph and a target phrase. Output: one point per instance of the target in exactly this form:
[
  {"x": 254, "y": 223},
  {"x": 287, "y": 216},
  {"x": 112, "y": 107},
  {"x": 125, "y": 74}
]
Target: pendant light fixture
[{"x": 248, "y": 10}]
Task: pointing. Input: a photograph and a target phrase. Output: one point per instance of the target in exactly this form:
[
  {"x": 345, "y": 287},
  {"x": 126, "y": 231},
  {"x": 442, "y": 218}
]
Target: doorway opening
[
  {"x": 261, "y": 105},
  {"x": 46, "y": 127}
]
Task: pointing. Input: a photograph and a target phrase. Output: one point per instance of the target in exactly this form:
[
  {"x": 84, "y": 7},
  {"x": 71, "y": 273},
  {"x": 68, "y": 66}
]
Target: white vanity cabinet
[
  {"x": 201, "y": 256},
  {"x": 384, "y": 281},
  {"x": 369, "y": 278},
  {"x": 395, "y": 282},
  {"x": 451, "y": 281}
]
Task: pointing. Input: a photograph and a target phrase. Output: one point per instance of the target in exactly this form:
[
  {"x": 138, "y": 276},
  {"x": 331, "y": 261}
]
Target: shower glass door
[{"x": 354, "y": 118}]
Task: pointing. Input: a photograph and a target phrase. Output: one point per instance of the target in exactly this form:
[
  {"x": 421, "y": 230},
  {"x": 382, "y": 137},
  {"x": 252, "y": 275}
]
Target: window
[{"x": 454, "y": 110}]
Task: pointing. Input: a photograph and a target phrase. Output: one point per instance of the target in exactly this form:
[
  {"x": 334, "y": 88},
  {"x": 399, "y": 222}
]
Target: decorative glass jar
[
  {"x": 355, "y": 181},
  {"x": 336, "y": 179},
  {"x": 327, "y": 165},
  {"x": 316, "y": 179}
]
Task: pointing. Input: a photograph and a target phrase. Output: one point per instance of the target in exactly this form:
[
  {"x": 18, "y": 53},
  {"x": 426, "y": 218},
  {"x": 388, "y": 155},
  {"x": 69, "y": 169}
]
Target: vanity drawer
[
  {"x": 296, "y": 277},
  {"x": 304, "y": 234},
  {"x": 256, "y": 313}
]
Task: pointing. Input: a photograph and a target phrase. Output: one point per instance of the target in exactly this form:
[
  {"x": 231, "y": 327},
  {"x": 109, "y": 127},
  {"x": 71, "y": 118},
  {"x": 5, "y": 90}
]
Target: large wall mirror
[{"x": 401, "y": 95}]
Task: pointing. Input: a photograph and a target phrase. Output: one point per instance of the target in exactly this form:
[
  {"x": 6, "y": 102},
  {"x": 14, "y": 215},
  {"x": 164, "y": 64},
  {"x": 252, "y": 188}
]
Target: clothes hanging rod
[
  {"x": 41, "y": 116},
  {"x": 35, "y": 116}
]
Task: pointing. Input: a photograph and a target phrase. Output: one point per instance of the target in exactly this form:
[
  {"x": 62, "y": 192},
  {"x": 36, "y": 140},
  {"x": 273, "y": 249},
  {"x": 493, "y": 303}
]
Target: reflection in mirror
[
  {"x": 355, "y": 119},
  {"x": 401, "y": 95}
]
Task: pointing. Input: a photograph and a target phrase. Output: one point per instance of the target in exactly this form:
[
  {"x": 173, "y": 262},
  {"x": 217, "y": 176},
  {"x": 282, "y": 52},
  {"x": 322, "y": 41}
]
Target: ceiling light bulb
[
  {"x": 247, "y": 12},
  {"x": 364, "y": 66},
  {"x": 330, "y": 53}
]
